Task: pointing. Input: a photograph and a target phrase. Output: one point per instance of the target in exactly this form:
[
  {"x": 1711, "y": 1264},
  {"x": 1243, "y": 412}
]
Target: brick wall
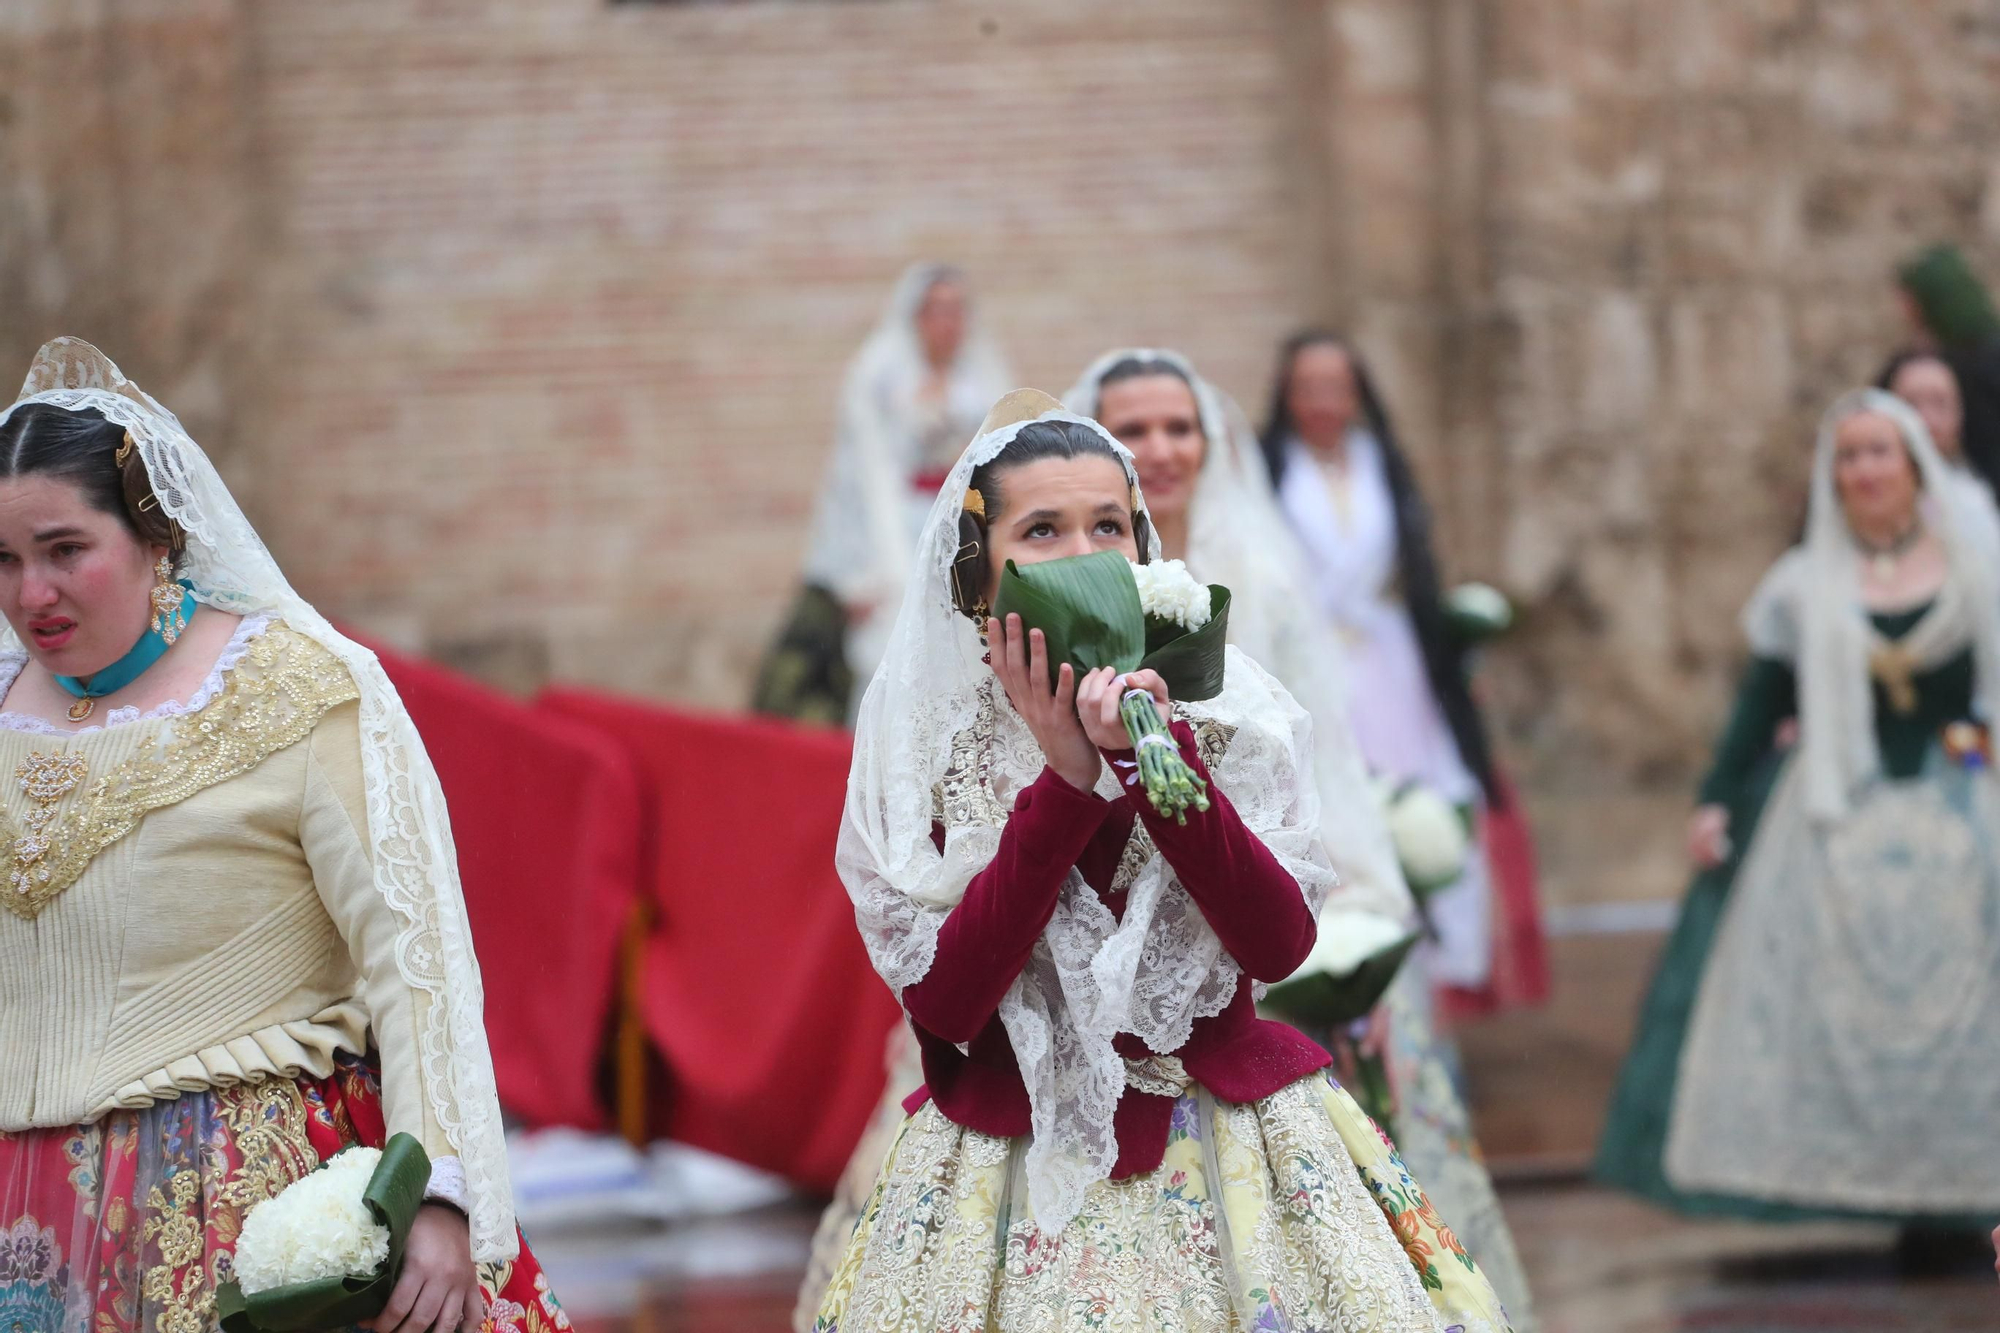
[
  {"x": 559, "y": 292},
  {"x": 517, "y": 323}
]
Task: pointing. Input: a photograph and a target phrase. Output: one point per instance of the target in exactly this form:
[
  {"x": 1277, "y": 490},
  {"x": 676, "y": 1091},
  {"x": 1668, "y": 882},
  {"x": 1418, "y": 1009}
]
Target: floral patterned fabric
[
  {"x": 1319, "y": 1228},
  {"x": 127, "y": 1225},
  {"x": 1433, "y": 1133}
]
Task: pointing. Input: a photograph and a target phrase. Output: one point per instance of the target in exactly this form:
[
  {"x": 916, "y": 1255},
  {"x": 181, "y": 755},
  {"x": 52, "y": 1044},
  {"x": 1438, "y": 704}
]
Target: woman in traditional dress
[
  {"x": 1353, "y": 503},
  {"x": 1926, "y": 381},
  {"x": 1106, "y": 1134},
  {"x": 1210, "y": 501},
  {"x": 234, "y": 942},
  {"x": 1952, "y": 315},
  {"x": 911, "y": 395},
  {"x": 1835, "y": 1054}
]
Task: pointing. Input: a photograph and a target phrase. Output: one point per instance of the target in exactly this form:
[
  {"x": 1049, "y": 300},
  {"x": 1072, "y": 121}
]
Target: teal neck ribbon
[{"x": 133, "y": 665}]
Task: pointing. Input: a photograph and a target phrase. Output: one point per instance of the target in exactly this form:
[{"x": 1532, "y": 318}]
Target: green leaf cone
[
  {"x": 1192, "y": 664},
  {"x": 1086, "y": 606}
]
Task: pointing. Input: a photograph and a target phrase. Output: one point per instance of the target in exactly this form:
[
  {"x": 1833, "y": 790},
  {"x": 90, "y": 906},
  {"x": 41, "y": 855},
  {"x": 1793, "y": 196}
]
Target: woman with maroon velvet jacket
[{"x": 1107, "y": 1133}]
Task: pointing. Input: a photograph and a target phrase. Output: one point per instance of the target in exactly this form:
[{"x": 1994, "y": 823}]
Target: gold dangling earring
[{"x": 169, "y": 601}]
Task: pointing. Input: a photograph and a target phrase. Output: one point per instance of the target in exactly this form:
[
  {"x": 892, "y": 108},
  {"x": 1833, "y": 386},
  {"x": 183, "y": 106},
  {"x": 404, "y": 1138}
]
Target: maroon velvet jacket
[{"x": 1251, "y": 901}]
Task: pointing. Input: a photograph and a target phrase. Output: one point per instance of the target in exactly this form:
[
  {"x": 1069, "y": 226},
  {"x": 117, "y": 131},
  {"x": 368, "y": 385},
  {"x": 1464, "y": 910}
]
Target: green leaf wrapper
[
  {"x": 394, "y": 1194},
  {"x": 1086, "y": 606},
  {"x": 1088, "y": 610},
  {"x": 1191, "y": 661},
  {"x": 1322, "y": 1001}
]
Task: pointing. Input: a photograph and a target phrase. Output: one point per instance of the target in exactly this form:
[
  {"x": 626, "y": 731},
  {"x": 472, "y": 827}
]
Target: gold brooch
[{"x": 45, "y": 779}]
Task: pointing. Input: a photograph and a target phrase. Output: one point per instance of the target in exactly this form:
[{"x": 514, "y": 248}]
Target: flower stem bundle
[{"x": 1170, "y": 784}]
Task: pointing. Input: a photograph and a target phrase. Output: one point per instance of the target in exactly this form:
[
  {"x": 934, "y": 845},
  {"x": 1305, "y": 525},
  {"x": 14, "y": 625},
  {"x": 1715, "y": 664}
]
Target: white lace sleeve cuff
[{"x": 448, "y": 1184}]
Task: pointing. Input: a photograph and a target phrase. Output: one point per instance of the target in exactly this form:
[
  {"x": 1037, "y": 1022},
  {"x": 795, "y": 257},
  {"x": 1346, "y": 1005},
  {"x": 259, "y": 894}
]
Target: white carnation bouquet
[
  {"x": 1168, "y": 592},
  {"x": 1102, "y": 610},
  {"x": 317, "y": 1228},
  {"x": 324, "y": 1252}
]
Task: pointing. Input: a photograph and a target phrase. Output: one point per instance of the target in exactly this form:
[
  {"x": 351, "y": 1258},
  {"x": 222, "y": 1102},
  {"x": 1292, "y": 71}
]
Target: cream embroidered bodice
[{"x": 190, "y": 903}]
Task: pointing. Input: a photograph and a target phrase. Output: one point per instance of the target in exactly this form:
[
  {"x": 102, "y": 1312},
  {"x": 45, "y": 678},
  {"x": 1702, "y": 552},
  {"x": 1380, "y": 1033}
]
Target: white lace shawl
[
  {"x": 416, "y": 868},
  {"x": 1808, "y": 611},
  {"x": 1238, "y": 537},
  {"x": 860, "y": 544},
  {"x": 1091, "y": 976}
]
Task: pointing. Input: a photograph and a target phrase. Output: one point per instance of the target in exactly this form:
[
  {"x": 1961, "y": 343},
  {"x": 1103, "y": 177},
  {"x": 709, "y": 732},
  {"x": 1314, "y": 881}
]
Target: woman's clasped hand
[{"x": 1071, "y": 719}]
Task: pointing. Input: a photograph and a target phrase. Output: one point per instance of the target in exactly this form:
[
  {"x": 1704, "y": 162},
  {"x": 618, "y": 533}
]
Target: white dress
[{"x": 1349, "y": 532}]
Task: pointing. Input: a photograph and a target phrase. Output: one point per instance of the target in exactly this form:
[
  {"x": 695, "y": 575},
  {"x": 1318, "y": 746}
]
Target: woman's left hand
[
  {"x": 1099, "y": 695},
  {"x": 438, "y": 1288}
]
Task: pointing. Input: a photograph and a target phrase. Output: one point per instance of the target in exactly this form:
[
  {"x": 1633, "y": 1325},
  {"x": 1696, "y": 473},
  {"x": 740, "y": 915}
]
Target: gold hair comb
[
  {"x": 124, "y": 453},
  {"x": 975, "y": 503}
]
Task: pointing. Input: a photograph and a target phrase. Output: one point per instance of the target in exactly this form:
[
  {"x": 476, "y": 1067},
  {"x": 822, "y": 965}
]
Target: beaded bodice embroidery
[{"x": 58, "y": 813}]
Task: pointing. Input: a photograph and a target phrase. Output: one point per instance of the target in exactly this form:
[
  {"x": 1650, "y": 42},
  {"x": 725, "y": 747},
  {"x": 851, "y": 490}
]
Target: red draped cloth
[
  {"x": 756, "y": 989},
  {"x": 546, "y": 815},
  {"x": 1520, "y": 973}
]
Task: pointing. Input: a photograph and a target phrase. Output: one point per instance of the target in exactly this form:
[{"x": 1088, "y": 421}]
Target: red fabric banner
[
  {"x": 757, "y": 991},
  {"x": 546, "y": 815}
]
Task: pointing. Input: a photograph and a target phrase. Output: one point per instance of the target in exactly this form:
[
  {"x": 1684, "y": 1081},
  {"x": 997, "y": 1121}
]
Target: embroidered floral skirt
[
  {"x": 127, "y": 1225},
  {"x": 1291, "y": 1214},
  {"x": 1433, "y": 1133}
]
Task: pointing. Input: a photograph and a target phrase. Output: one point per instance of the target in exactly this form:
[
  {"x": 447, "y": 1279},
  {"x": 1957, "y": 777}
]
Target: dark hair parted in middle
[
  {"x": 1140, "y": 368},
  {"x": 81, "y": 448},
  {"x": 1036, "y": 442}
]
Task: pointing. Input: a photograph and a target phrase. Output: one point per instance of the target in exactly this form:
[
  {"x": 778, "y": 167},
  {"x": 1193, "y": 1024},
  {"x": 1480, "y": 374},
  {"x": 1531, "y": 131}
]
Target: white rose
[{"x": 1430, "y": 837}]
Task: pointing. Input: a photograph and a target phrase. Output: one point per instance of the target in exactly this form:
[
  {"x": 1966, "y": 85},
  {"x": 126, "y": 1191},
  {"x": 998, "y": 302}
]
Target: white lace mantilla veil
[
  {"x": 1092, "y": 975},
  {"x": 416, "y": 867},
  {"x": 859, "y": 543},
  {"x": 1808, "y": 611},
  {"x": 1238, "y": 537}
]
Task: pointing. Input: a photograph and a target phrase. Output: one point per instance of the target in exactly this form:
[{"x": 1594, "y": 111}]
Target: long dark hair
[{"x": 1416, "y": 561}]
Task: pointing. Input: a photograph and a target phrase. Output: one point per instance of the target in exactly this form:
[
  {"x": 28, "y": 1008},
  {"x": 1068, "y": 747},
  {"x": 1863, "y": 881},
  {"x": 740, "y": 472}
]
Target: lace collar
[{"x": 247, "y": 632}]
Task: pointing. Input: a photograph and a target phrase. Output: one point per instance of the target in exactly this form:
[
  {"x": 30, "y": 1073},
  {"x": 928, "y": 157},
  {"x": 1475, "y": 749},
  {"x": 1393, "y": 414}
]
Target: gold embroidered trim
[
  {"x": 964, "y": 796},
  {"x": 273, "y": 699},
  {"x": 192, "y": 1210},
  {"x": 1160, "y": 1075}
]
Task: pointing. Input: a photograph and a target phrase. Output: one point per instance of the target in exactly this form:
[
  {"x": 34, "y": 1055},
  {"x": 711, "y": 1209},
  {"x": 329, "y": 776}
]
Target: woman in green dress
[{"x": 1816, "y": 1040}]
